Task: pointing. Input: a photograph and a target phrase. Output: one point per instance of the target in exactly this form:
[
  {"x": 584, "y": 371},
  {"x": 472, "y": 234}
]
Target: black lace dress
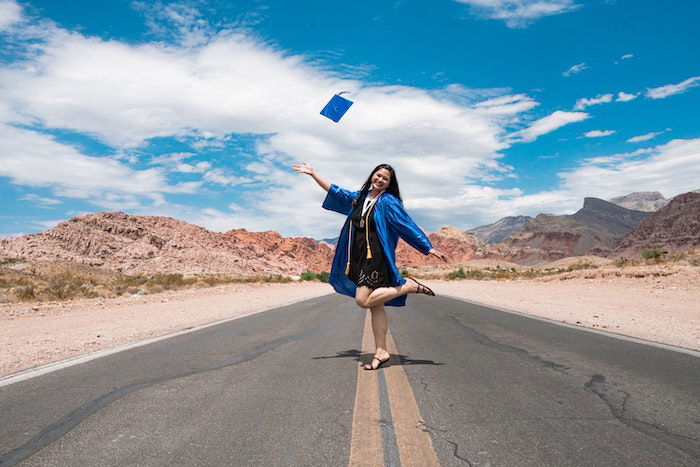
[{"x": 372, "y": 272}]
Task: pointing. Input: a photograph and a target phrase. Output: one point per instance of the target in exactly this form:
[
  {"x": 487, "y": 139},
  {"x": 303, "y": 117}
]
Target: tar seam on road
[
  {"x": 391, "y": 450},
  {"x": 366, "y": 438},
  {"x": 69, "y": 421}
]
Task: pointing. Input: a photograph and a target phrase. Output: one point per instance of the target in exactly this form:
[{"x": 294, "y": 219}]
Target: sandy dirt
[
  {"x": 661, "y": 306},
  {"x": 35, "y": 334}
]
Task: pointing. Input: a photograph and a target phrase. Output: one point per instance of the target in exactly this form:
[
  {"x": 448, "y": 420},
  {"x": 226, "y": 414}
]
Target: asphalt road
[{"x": 279, "y": 388}]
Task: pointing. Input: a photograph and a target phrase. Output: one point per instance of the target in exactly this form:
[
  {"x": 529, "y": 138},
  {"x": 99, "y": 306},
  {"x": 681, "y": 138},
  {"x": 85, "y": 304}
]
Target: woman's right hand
[{"x": 303, "y": 168}]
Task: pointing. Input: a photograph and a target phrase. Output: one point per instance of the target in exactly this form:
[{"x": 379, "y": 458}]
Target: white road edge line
[
  {"x": 637, "y": 340},
  {"x": 50, "y": 367}
]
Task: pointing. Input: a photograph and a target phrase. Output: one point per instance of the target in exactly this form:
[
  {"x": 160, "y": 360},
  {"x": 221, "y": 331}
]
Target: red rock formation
[
  {"x": 457, "y": 245},
  {"x": 315, "y": 256},
  {"x": 148, "y": 244}
]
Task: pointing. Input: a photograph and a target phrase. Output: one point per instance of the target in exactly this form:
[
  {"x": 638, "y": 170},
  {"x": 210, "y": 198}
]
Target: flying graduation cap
[{"x": 336, "y": 107}]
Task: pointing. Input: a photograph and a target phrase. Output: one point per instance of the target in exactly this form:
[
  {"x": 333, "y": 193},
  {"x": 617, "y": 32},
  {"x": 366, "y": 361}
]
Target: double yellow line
[{"x": 414, "y": 444}]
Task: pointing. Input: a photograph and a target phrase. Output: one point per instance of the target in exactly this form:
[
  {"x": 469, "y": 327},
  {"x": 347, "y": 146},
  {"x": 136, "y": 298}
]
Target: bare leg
[
  {"x": 380, "y": 326},
  {"x": 383, "y": 294}
]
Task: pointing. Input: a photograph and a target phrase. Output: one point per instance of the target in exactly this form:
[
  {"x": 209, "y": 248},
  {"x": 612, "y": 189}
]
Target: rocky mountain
[
  {"x": 592, "y": 230},
  {"x": 673, "y": 228},
  {"x": 499, "y": 230},
  {"x": 148, "y": 244},
  {"x": 608, "y": 218},
  {"x": 548, "y": 238},
  {"x": 307, "y": 251},
  {"x": 647, "y": 201},
  {"x": 457, "y": 245}
]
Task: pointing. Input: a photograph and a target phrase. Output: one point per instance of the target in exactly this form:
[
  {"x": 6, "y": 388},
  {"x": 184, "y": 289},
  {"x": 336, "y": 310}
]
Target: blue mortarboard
[{"x": 336, "y": 107}]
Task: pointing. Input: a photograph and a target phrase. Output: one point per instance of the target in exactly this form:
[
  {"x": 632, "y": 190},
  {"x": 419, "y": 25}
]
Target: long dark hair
[{"x": 392, "y": 189}]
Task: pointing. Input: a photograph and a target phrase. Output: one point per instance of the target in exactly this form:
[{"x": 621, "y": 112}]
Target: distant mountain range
[
  {"x": 499, "y": 230},
  {"x": 647, "y": 201},
  {"x": 148, "y": 244}
]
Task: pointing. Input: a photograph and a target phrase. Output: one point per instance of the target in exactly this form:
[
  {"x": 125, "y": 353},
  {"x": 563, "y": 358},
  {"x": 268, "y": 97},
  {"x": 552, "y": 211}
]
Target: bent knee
[{"x": 362, "y": 303}]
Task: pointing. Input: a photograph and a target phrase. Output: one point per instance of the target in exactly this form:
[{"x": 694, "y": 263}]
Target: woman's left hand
[{"x": 438, "y": 254}]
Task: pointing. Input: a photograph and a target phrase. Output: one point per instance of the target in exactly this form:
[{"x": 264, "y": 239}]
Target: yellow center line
[
  {"x": 414, "y": 444},
  {"x": 366, "y": 441}
]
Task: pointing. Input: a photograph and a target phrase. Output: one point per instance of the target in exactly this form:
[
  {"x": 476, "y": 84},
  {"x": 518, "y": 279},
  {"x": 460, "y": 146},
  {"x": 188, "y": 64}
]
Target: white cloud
[
  {"x": 575, "y": 69},
  {"x": 671, "y": 89},
  {"x": 10, "y": 14},
  {"x": 647, "y": 136},
  {"x": 506, "y": 105},
  {"x": 548, "y": 124},
  {"x": 664, "y": 168},
  {"x": 626, "y": 56},
  {"x": 598, "y": 133},
  {"x": 519, "y": 13},
  {"x": 70, "y": 172},
  {"x": 599, "y": 99},
  {"x": 221, "y": 177},
  {"x": 38, "y": 200},
  {"x": 624, "y": 97}
]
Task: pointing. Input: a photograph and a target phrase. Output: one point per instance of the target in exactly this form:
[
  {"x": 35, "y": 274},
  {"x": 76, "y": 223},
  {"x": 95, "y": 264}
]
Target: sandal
[
  {"x": 368, "y": 366},
  {"x": 422, "y": 288}
]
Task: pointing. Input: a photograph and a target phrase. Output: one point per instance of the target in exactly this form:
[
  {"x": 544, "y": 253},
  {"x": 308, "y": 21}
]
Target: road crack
[
  {"x": 486, "y": 341},
  {"x": 617, "y": 399}
]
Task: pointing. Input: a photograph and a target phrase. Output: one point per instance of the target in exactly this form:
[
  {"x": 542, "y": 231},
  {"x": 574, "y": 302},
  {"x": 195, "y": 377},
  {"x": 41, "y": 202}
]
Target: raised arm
[{"x": 305, "y": 168}]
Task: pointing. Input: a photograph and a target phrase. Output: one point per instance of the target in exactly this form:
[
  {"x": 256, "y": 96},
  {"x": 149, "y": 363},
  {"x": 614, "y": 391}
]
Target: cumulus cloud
[
  {"x": 71, "y": 173},
  {"x": 126, "y": 95},
  {"x": 575, "y": 69},
  {"x": 599, "y": 99},
  {"x": 598, "y": 133},
  {"x": 519, "y": 13},
  {"x": 547, "y": 124},
  {"x": 625, "y": 97},
  {"x": 672, "y": 89},
  {"x": 10, "y": 14},
  {"x": 647, "y": 136}
]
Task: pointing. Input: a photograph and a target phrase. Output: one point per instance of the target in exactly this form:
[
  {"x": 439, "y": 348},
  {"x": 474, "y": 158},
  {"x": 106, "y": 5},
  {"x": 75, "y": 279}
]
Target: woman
[{"x": 364, "y": 263}]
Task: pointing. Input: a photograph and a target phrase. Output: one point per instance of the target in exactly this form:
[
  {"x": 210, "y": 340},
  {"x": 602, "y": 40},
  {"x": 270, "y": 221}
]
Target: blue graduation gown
[{"x": 391, "y": 221}]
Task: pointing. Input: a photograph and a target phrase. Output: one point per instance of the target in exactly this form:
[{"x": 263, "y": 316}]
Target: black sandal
[
  {"x": 422, "y": 288},
  {"x": 381, "y": 362}
]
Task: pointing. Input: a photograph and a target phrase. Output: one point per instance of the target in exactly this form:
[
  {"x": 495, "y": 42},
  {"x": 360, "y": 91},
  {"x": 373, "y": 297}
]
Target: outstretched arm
[{"x": 305, "y": 168}]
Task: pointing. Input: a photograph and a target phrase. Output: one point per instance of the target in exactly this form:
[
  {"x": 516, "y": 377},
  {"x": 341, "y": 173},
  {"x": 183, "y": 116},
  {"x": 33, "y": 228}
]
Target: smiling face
[{"x": 381, "y": 179}]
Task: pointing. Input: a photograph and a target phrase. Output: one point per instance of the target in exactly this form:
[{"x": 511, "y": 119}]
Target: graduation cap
[{"x": 336, "y": 107}]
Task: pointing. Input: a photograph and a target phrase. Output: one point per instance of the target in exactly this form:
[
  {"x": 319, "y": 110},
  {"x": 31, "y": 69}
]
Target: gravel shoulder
[{"x": 657, "y": 307}]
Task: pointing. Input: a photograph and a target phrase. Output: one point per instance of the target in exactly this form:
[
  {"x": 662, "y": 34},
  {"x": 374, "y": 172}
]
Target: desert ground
[{"x": 659, "y": 303}]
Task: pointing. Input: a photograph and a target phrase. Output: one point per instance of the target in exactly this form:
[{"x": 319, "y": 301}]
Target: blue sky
[{"x": 486, "y": 108}]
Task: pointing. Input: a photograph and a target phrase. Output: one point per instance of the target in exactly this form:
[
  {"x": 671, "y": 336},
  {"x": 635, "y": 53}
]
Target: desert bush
[
  {"x": 169, "y": 281},
  {"x": 651, "y": 253},
  {"x": 458, "y": 274},
  {"x": 475, "y": 274},
  {"x": 5, "y": 261},
  {"x": 579, "y": 266},
  {"x": 25, "y": 292},
  {"x": 320, "y": 276},
  {"x": 308, "y": 276},
  {"x": 63, "y": 287}
]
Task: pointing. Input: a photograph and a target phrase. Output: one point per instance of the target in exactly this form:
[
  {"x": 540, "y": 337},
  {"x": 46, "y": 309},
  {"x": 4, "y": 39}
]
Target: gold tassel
[{"x": 369, "y": 252}]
